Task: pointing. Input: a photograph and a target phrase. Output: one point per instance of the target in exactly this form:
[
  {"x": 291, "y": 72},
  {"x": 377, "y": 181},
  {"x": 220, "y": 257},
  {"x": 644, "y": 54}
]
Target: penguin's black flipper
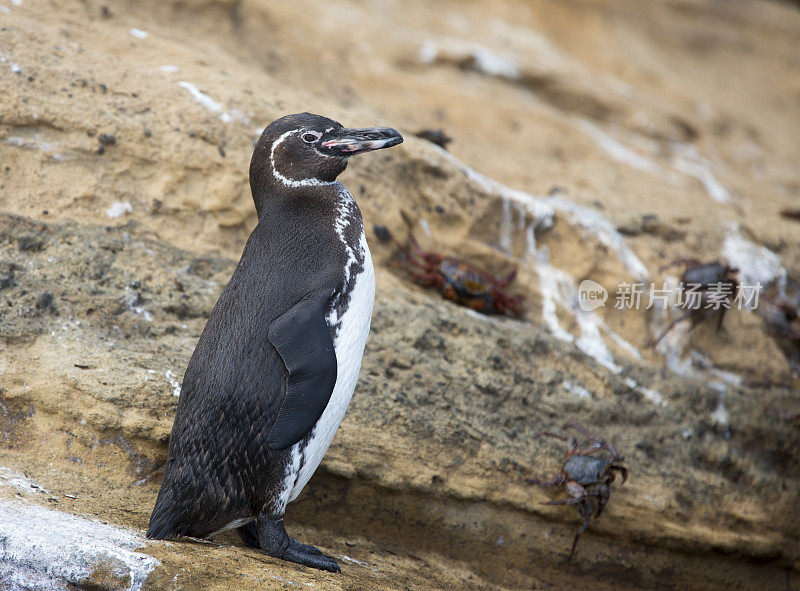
[{"x": 303, "y": 340}]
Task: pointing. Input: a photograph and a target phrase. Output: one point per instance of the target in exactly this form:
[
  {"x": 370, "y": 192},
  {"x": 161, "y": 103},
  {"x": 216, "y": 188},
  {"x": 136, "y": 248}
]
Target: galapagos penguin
[{"x": 277, "y": 362}]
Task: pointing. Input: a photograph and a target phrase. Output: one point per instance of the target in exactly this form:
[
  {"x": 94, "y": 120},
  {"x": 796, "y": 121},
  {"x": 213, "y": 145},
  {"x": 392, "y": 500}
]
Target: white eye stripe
[{"x": 289, "y": 182}]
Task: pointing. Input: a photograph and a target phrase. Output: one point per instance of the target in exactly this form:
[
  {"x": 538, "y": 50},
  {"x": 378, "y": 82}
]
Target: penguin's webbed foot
[
  {"x": 304, "y": 547},
  {"x": 310, "y": 556},
  {"x": 273, "y": 539}
]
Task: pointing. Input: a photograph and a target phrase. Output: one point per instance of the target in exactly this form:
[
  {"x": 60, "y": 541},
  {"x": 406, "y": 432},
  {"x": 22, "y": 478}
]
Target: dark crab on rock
[
  {"x": 707, "y": 290},
  {"x": 585, "y": 475}
]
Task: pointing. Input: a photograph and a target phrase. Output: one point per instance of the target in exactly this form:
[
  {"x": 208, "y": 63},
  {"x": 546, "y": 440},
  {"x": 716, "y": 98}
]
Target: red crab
[
  {"x": 461, "y": 282},
  {"x": 585, "y": 475}
]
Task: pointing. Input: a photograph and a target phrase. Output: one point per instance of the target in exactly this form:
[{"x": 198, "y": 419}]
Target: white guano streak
[{"x": 206, "y": 101}]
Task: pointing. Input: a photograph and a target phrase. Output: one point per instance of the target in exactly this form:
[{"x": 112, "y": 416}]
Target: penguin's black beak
[{"x": 349, "y": 142}]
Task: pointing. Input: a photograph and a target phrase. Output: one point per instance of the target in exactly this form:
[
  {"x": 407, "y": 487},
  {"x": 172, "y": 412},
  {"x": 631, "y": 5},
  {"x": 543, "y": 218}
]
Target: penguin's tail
[{"x": 165, "y": 521}]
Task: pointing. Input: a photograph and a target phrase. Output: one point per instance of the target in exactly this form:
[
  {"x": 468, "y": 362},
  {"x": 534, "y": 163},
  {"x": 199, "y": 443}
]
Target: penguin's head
[{"x": 306, "y": 150}]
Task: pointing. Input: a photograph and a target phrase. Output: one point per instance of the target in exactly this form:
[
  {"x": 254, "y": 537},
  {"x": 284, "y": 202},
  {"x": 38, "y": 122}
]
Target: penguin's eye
[{"x": 309, "y": 137}]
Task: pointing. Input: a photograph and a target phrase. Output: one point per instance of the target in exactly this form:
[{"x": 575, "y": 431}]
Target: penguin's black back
[{"x": 220, "y": 467}]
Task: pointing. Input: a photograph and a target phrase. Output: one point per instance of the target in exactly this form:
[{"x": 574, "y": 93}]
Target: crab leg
[
  {"x": 557, "y": 481},
  {"x": 563, "y": 502},
  {"x": 427, "y": 259},
  {"x": 410, "y": 258},
  {"x": 572, "y": 445},
  {"x": 672, "y": 325},
  {"x": 425, "y": 256},
  {"x": 586, "y": 511},
  {"x": 785, "y": 415},
  {"x": 603, "y": 494},
  {"x": 575, "y": 490},
  {"x": 721, "y": 318},
  {"x": 418, "y": 264},
  {"x": 506, "y": 281},
  {"x": 578, "y": 494},
  {"x": 555, "y": 435},
  {"x": 426, "y": 279},
  {"x": 415, "y": 245},
  {"x": 505, "y": 302},
  {"x": 598, "y": 442},
  {"x": 579, "y": 428}
]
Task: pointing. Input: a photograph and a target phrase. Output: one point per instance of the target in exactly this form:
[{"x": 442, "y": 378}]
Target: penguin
[{"x": 277, "y": 362}]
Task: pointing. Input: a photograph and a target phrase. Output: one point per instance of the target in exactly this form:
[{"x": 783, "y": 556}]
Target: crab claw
[{"x": 621, "y": 469}]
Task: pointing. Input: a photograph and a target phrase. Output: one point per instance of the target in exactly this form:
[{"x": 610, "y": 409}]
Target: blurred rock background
[{"x": 591, "y": 140}]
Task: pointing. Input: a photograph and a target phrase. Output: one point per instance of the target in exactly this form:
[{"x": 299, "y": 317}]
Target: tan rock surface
[{"x": 676, "y": 123}]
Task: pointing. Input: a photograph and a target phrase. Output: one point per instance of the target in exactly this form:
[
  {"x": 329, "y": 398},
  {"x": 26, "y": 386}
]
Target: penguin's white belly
[{"x": 349, "y": 346}]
